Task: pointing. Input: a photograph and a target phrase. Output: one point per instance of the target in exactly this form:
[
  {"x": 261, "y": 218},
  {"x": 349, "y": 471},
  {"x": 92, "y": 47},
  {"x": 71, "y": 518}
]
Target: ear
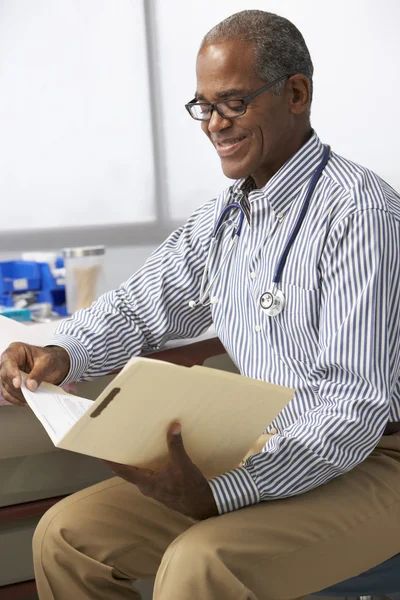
[{"x": 299, "y": 90}]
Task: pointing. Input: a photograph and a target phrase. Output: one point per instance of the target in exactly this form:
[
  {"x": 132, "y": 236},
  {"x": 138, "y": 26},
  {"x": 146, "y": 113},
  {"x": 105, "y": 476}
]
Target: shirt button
[
  {"x": 280, "y": 216},
  {"x": 253, "y": 274},
  {"x": 214, "y": 300},
  {"x": 257, "y": 328},
  {"x": 273, "y": 431}
]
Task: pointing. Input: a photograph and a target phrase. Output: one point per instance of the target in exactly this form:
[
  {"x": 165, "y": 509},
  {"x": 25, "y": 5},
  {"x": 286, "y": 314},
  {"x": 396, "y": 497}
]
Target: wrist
[{"x": 78, "y": 356}]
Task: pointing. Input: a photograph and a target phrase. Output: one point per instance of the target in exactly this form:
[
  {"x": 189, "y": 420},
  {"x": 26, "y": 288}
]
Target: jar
[{"x": 84, "y": 272}]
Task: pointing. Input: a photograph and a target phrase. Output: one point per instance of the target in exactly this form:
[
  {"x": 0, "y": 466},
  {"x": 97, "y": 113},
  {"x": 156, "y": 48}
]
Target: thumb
[
  {"x": 176, "y": 448},
  {"x": 40, "y": 370}
]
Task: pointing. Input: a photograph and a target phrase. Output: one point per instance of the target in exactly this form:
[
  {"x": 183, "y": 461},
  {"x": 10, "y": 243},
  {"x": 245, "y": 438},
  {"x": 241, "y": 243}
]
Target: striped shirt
[{"x": 337, "y": 343}]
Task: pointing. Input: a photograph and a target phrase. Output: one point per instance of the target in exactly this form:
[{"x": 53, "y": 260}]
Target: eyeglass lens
[{"x": 227, "y": 108}]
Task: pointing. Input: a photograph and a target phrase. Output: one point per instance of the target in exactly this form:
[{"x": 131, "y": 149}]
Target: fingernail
[
  {"x": 177, "y": 429},
  {"x": 15, "y": 382},
  {"x": 32, "y": 385}
]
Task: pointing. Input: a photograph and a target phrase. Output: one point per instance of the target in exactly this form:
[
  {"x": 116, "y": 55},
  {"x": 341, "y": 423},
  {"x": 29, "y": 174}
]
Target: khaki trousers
[{"x": 94, "y": 543}]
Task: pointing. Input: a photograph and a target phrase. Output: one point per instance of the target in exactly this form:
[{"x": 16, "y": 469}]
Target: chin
[{"x": 235, "y": 171}]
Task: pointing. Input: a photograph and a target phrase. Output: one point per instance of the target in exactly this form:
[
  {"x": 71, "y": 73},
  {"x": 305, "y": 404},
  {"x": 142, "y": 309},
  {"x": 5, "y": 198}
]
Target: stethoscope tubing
[
  {"x": 221, "y": 217},
  {"x": 301, "y": 217}
]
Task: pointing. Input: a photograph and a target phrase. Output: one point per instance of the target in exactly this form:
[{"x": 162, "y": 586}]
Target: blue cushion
[{"x": 382, "y": 579}]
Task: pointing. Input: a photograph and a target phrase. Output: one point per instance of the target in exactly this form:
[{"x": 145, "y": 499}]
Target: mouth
[{"x": 229, "y": 147}]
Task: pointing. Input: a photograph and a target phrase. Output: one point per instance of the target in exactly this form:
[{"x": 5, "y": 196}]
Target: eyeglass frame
[{"x": 245, "y": 101}]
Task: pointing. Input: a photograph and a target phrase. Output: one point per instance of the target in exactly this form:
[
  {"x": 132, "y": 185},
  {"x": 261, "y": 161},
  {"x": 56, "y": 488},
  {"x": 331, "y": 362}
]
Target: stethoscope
[{"x": 272, "y": 302}]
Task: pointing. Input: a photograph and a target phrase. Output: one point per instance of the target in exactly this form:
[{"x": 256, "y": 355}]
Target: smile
[{"x": 229, "y": 147}]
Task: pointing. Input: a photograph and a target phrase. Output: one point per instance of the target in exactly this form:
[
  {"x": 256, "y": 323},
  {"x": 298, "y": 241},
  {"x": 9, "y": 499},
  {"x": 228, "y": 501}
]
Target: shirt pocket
[{"x": 294, "y": 332}]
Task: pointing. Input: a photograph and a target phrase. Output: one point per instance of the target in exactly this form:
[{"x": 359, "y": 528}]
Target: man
[{"x": 321, "y": 503}]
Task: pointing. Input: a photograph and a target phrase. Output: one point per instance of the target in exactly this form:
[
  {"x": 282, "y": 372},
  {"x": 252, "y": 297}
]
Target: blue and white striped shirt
[{"x": 337, "y": 342}]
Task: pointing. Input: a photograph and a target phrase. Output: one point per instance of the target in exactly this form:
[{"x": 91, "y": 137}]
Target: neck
[{"x": 288, "y": 149}]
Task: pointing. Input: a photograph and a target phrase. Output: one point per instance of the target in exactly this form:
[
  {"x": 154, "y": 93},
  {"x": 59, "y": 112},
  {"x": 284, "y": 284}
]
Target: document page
[{"x": 57, "y": 411}]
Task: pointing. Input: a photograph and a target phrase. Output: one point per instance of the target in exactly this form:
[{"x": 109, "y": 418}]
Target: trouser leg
[
  {"x": 289, "y": 548},
  {"x": 94, "y": 543}
]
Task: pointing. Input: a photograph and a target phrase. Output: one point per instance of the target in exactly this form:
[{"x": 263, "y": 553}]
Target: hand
[
  {"x": 50, "y": 364},
  {"x": 180, "y": 485}
]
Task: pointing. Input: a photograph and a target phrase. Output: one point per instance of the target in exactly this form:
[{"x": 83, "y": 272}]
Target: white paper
[
  {"x": 12, "y": 331},
  {"x": 57, "y": 412}
]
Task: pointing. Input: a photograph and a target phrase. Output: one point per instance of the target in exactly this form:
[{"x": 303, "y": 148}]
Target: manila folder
[{"x": 221, "y": 414}]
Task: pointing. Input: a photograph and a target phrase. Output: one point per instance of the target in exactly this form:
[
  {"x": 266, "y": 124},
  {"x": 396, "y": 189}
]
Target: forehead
[{"x": 223, "y": 66}]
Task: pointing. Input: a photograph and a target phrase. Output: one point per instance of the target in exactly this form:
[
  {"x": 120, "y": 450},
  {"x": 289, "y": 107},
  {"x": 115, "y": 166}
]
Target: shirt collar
[{"x": 284, "y": 186}]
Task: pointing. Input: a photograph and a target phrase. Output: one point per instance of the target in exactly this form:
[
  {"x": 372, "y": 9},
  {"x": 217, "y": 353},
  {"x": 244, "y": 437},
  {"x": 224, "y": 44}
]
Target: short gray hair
[{"x": 279, "y": 47}]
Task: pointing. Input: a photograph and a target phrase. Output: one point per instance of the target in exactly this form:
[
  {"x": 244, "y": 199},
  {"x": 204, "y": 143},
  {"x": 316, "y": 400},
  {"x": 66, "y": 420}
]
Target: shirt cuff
[
  {"x": 233, "y": 490},
  {"x": 79, "y": 357}
]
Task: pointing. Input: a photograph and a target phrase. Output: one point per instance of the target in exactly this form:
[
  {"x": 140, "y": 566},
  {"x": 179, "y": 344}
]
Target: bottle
[{"x": 84, "y": 270}]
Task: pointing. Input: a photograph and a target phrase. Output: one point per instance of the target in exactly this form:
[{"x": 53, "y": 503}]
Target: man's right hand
[{"x": 51, "y": 364}]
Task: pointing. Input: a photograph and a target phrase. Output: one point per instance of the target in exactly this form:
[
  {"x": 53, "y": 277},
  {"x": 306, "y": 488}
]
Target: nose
[{"x": 217, "y": 123}]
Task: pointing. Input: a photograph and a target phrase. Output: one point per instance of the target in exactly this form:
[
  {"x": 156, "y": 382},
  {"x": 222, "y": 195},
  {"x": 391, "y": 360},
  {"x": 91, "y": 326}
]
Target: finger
[
  {"x": 16, "y": 393},
  {"x": 11, "y": 361},
  {"x": 176, "y": 448},
  {"x": 11, "y": 398},
  {"x": 40, "y": 370}
]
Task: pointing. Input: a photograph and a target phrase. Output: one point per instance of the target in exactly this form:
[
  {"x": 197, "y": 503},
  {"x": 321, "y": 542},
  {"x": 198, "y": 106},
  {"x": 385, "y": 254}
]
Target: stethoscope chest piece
[{"x": 273, "y": 302}]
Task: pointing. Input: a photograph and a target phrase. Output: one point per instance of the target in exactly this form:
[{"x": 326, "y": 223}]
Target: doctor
[{"x": 321, "y": 502}]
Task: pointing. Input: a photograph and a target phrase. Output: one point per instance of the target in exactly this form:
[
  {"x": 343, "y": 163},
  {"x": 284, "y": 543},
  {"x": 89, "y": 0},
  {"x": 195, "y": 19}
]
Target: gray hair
[{"x": 279, "y": 47}]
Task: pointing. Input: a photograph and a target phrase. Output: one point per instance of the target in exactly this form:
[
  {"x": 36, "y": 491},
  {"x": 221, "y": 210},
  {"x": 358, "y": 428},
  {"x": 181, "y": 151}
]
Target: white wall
[
  {"x": 76, "y": 137},
  {"x": 355, "y": 47}
]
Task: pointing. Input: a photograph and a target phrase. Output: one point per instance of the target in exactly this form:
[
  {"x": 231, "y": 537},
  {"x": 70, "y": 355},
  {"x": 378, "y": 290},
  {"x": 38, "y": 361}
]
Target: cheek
[
  {"x": 267, "y": 135},
  {"x": 258, "y": 140},
  {"x": 204, "y": 127}
]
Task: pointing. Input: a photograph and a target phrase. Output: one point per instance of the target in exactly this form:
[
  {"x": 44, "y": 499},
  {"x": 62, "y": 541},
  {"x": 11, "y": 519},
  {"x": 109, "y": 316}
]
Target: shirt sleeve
[
  {"x": 146, "y": 311},
  {"x": 354, "y": 375}
]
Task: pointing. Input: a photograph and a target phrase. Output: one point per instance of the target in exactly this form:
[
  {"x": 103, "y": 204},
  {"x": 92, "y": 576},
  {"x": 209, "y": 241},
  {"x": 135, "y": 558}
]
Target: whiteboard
[
  {"x": 76, "y": 138},
  {"x": 355, "y": 48}
]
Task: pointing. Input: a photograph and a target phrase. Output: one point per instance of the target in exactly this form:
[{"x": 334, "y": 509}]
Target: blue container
[
  {"x": 6, "y": 300},
  {"x": 53, "y": 288},
  {"x": 49, "y": 282},
  {"x": 19, "y": 276}
]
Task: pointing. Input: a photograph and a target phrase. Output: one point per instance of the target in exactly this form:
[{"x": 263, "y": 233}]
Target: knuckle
[
  {"x": 5, "y": 356},
  {"x": 5, "y": 375},
  {"x": 13, "y": 348},
  {"x": 44, "y": 360},
  {"x": 11, "y": 352}
]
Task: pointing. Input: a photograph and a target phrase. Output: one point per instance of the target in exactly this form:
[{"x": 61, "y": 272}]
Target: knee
[
  {"x": 51, "y": 531},
  {"x": 192, "y": 552},
  {"x": 194, "y": 565}
]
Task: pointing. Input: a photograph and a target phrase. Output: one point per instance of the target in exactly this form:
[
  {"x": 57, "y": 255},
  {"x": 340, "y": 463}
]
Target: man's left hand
[{"x": 180, "y": 485}]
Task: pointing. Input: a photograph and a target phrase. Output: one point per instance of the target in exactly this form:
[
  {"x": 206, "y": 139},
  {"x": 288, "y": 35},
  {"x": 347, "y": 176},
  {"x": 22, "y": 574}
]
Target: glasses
[{"x": 227, "y": 109}]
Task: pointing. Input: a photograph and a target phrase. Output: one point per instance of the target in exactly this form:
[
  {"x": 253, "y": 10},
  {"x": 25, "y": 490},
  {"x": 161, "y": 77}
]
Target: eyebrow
[{"x": 224, "y": 94}]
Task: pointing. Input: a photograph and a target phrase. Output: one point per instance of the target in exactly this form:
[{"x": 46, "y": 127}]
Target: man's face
[{"x": 255, "y": 143}]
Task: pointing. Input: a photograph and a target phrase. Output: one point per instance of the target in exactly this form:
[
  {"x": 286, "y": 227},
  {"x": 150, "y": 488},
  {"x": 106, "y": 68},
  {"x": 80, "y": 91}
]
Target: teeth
[{"x": 231, "y": 142}]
